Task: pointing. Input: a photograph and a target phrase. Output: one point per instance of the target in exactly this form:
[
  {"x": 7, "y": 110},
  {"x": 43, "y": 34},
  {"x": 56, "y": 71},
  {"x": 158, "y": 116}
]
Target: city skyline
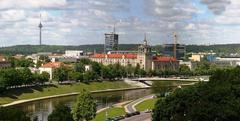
[{"x": 79, "y": 22}]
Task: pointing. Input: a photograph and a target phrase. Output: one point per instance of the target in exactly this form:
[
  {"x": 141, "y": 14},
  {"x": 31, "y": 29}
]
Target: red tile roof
[
  {"x": 52, "y": 65},
  {"x": 128, "y": 56},
  {"x": 164, "y": 59}
]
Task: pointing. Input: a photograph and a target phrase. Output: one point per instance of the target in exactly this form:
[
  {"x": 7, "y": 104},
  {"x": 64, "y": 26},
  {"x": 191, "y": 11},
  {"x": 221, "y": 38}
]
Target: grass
[
  {"x": 112, "y": 112},
  {"x": 41, "y": 91},
  {"x": 147, "y": 104}
]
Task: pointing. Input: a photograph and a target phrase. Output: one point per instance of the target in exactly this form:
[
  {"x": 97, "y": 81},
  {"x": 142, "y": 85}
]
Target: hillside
[{"x": 29, "y": 49}]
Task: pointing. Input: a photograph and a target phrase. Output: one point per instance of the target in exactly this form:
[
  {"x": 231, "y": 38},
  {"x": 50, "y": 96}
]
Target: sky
[{"x": 79, "y": 22}]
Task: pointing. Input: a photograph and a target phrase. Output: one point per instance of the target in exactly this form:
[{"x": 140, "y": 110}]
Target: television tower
[
  {"x": 40, "y": 31},
  {"x": 175, "y": 45}
]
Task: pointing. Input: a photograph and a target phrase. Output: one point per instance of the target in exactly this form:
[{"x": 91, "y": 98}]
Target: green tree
[
  {"x": 79, "y": 67},
  {"x": 219, "y": 97},
  {"x": 75, "y": 76},
  {"x": 25, "y": 75},
  {"x": 184, "y": 70},
  {"x": 61, "y": 113},
  {"x": 12, "y": 114},
  {"x": 85, "y": 108},
  {"x": 60, "y": 74}
]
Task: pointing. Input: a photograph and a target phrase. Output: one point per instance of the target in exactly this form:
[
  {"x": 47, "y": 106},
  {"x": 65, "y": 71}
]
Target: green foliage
[
  {"x": 41, "y": 78},
  {"x": 60, "y": 74},
  {"x": 61, "y": 113},
  {"x": 30, "y": 49},
  {"x": 12, "y": 114},
  {"x": 217, "y": 99},
  {"x": 75, "y": 76},
  {"x": 85, "y": 108},
  {"x": 11, "y": 78},
  {"x": 184, "y": 70},
  {"x": 25, "y": 75}
]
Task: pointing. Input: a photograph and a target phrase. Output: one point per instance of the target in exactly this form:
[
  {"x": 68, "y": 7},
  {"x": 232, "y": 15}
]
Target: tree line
[
  {"x": 98, "y": 72},
  {"x": 116, "y": 71},
  {"x": 13, "y": 78}
]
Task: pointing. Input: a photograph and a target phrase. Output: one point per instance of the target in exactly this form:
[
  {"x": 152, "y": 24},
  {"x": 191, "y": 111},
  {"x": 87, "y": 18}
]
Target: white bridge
[{"x": 165, "y": 79}]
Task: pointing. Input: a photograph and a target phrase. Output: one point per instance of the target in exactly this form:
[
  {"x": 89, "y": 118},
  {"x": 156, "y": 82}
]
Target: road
[
  {"x": 142, "y": 117},
  {"x": 130, "y": 108}
]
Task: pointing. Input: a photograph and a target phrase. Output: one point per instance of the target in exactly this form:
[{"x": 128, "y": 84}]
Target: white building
[
  {"x": 50, "y": 67},
  {"x": 73, "y": 53}
]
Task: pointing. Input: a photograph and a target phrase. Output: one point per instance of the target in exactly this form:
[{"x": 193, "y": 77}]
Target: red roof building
[
  {"x": 126, "y": 56},
  {"x": 52, "y": 65},
  {"x": 164, "y": 59}
]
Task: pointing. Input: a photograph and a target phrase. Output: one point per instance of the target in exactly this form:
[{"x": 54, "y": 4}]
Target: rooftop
[
  {"x": 128, "y": 56},
  {"x": 164, "y": 59},
  {"x": 52, "y": 65}
]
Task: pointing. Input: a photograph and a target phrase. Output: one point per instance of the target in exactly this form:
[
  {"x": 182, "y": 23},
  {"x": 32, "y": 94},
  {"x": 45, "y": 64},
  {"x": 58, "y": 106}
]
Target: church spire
[{"x": 145, "y": 39}]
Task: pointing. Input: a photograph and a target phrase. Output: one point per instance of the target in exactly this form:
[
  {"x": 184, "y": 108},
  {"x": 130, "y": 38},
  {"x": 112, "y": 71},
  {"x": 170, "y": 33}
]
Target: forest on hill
[{"x": 30, "y": 49}]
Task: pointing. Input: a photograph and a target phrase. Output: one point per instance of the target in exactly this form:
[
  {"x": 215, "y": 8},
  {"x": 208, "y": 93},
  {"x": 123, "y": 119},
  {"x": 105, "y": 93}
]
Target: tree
[
  {"x": 61, "y": 113},
  {"x": 137, "y": 70},
  {"x": 219, "y": 97},
  {"x": 60, "y": 74},
  {"x": 12, "y": 114},
  {"x": 75, "y": 76},
  {"x": 26, "y": 75},
  {"x": 184, "y": 70},
  {"x": 85, "y": 108},
  {"x": 41, "y": 78}
]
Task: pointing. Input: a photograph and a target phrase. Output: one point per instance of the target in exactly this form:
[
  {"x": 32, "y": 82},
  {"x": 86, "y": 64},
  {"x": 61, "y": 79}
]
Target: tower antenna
[
  {"x": 175, "y": 45},
  {"x": 40, "y": 30},
  {"x": 114, "y": 28}
]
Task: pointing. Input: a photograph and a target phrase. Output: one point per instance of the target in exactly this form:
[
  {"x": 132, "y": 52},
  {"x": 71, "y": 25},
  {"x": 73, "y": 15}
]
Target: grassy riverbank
[
  {"x": 111, "y": 112},
  {"x": 41, "y": 91},
  {"x": 147, "y": 104}
]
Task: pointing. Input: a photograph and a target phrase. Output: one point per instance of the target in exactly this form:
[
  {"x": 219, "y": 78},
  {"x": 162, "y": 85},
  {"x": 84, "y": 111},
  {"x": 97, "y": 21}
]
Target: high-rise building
[
  {"x": 180, "y": 51},
  {"x": 111, "y": 41},
  {"x": 175, "y": 50}
]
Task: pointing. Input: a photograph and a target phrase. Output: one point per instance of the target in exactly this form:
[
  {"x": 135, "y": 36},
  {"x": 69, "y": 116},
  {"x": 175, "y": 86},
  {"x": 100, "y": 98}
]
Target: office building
[{"x": 111, "y": 41}]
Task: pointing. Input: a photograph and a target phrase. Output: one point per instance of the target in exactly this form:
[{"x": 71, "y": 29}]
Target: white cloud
[
  {"x": 217, "y": 6},
  {"x": 28, "y": 4},
  {"x": 12, "y": 15}
]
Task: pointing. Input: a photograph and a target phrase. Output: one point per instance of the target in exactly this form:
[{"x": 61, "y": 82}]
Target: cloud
[
  {"x": 217, "y": 6},
  {"x": 28, "y": 4},
  {"x": 12, "y": 15}
]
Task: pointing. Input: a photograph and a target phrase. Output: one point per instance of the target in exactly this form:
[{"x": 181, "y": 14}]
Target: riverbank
[{"x": 21, "y": 95}]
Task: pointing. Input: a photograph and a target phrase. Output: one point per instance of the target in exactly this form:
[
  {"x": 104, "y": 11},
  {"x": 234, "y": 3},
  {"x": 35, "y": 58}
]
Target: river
[{"x": 43, "y": 108}]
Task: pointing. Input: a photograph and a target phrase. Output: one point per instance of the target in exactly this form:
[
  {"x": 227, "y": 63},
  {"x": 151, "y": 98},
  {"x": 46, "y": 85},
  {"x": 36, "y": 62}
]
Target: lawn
[
  {"x": 41, "y": 91},
  {"x": 112, "y": 112},
  {"x": 147, "y": 104}
]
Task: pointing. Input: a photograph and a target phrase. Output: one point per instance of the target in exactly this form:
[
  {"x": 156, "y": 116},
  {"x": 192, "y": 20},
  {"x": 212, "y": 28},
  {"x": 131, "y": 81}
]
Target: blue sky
[{"x": 78, "y": 22}]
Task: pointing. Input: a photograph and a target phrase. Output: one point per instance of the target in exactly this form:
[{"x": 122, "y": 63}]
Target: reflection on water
[{"x": 43, "y": 108}]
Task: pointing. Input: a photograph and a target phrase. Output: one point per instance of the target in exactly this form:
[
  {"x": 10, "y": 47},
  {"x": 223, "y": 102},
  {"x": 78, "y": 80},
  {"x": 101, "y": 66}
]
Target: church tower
[{"x": 144, "y": 56}]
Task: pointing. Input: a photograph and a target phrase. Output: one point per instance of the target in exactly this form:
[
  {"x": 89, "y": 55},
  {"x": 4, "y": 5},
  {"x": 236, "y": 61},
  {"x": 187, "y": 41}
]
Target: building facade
[
  {"x": 168, "y": 50},
  {"x": 73, "y": 53},
  {"x": 143, "y": 58},
  {"x": 111, "y": 42},
  {"x": 50, "y": 67},
  {"x": 165, "y": 63}
]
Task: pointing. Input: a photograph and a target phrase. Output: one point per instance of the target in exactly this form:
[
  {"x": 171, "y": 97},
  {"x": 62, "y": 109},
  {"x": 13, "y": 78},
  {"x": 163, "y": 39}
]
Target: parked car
[
  {"x": 136, "y": 113},
  {"x": 148, "y": 111},
  {"x": 128, "y": 115}
]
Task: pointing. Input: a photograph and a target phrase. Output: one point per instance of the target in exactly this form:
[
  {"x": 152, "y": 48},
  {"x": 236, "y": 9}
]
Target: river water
[{"x": 43, "y": 108}]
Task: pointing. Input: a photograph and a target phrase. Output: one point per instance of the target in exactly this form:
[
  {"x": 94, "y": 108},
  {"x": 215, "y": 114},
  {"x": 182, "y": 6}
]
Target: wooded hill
[{"x": 29, "y": 49}]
